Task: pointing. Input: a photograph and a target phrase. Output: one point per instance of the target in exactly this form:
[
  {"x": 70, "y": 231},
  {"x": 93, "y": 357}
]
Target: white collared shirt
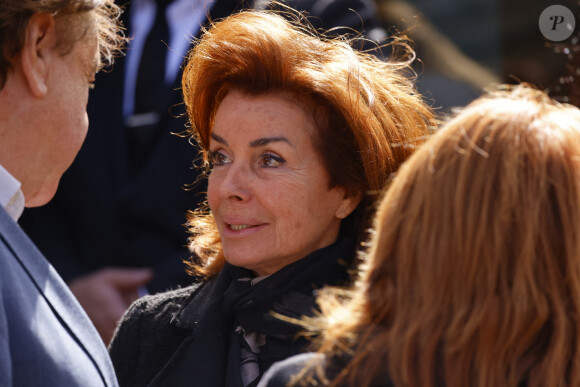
[
  {"x": 184, "y": 18},
  {"x": 11, "y": 196}
]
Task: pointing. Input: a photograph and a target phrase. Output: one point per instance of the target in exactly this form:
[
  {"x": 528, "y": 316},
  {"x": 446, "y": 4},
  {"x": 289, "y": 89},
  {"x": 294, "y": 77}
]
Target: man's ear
[
  {"x": 38, "y": 51},
  {"x": 348, "y": 205}
]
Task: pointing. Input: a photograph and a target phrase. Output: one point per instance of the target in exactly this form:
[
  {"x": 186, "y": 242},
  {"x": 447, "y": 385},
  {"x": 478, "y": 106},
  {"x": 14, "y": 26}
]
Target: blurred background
[{"x": 466, "y": 45}]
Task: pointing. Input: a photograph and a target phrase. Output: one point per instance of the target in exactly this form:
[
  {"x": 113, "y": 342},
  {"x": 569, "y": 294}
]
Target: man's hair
[
  {"x": 367, "y": 114},
  {"x": 473, "y": 275},
  {"x": 15, "y": 14}
]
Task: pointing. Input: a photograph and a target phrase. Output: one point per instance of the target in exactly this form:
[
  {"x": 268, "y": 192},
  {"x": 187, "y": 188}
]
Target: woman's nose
[{"x": 235, "y": 185}]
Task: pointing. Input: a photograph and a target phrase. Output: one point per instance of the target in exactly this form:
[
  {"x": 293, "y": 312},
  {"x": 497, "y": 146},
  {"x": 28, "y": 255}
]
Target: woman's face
[{"x": 268, "y": 190}]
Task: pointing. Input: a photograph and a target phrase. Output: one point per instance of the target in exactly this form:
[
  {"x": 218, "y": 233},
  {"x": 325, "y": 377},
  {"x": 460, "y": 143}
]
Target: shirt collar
[{"x": 11, "y": 197}]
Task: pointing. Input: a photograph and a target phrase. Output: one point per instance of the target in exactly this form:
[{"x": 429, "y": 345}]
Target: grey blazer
[{"x": 46, "y": 339}]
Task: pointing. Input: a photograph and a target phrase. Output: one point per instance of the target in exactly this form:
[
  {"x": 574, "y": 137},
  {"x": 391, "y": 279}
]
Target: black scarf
[
  {"x": 289, "y": 292},
  {"x": 210, "y": 356}
]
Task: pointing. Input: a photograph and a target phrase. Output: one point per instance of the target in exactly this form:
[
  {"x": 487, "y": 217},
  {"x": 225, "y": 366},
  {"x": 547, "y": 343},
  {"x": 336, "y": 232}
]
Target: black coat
[
  {"x": 103, "y": 217},
  {"x": 186, "y": 337},
  {"x": 151, "y": 332}
]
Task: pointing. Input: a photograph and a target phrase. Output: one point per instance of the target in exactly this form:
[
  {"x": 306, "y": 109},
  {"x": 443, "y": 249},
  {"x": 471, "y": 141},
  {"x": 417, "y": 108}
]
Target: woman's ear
[
  {"x": 348, "y": 204},
  {"x": 38, "y": 51}
]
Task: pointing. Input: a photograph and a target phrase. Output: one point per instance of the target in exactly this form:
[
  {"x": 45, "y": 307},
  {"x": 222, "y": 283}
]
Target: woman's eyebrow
[
  {"x": 267, "y": 140},
  {"x": 218, "y": 138}
]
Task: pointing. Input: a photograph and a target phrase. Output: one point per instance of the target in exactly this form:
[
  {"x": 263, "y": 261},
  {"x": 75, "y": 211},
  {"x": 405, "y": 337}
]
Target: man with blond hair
[{"x": 50, "y": 52}]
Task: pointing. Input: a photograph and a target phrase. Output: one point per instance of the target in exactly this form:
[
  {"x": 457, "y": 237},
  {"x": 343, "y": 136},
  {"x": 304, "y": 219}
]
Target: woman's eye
[
  {"x": 270, "y": 160},
  {"x": 217, "y": 159}
]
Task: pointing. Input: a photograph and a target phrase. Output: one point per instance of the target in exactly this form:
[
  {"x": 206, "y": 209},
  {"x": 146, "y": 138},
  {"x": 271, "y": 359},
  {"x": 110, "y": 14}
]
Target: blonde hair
[
  {"x": 14, "y": 16},
  {"x": 367, "y": 114},
  {"x": 473, "y": 274}
]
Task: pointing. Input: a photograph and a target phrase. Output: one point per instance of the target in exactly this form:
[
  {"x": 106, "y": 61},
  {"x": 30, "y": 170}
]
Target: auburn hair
[
  {"x": 472, "y": 277},
  {"x": 367, "y": 114}
]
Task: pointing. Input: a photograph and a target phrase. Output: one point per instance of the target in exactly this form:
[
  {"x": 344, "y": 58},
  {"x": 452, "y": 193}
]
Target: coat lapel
[
  {"x": 56, "y": 293},
  {"x": 201, "y": 359}
]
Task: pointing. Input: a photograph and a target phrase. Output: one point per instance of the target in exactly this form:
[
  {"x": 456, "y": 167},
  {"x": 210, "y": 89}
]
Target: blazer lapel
[{"x": 53, "y": 289}]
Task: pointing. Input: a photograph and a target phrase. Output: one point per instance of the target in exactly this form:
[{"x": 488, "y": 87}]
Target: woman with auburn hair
[
  {"x": 473, "y": 274},
  {"x": 299, "y": 133}
]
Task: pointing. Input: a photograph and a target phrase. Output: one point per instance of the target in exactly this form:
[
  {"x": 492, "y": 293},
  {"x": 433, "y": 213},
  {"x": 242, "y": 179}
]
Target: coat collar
[{"x": 205, "y": 300}]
